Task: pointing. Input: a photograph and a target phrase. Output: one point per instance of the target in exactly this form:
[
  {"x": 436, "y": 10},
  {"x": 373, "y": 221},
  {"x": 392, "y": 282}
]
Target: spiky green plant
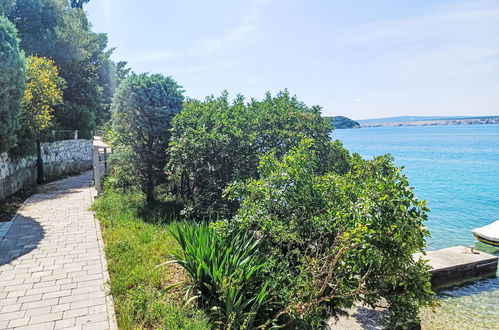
[{"x": 227, "y": 270}]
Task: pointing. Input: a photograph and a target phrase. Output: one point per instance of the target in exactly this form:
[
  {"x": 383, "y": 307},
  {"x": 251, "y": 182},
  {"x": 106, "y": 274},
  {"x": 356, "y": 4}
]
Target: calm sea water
[{"x": 456, "y": 170}]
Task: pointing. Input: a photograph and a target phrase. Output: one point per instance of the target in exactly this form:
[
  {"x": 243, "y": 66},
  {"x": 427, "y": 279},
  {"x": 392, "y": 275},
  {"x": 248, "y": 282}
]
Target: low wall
[{"x": 59, "y": 158}]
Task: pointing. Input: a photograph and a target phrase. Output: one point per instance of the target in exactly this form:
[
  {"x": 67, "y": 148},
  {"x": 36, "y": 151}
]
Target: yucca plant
[{"x": 227, "y": 271}]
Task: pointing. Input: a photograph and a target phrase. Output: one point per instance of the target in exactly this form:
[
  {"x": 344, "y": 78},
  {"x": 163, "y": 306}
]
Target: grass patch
[{"x": 143, "y": 294}]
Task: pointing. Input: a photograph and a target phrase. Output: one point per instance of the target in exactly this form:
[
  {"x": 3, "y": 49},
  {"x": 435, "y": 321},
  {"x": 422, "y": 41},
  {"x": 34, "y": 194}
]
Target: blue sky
[{"x": 362, "y": 58}]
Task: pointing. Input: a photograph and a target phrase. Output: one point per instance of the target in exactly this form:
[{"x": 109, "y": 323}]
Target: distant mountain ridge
[{"x": 400, "y": 119}]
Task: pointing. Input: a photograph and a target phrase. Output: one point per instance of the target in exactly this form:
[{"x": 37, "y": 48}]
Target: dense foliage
[
  {"x": 56, "y": 30},
  {"x": 143, "y": 108},
  {"x": 12, "y": 80},
  {"x": 216, "y": 142},
  {"x": 6, "y": 5},
  {"x": 334, "y": 229},
  {"x": 306, "y": 246},
  {"x": 332, "y": 240},
  {"x": 341, "y": 122},
  {"x": 78, "y": 3},
  {"x": 43, "y": 91}
]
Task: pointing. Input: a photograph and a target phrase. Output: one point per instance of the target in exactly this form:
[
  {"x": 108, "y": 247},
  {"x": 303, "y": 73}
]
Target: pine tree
[{"x": 143, "y": 108}]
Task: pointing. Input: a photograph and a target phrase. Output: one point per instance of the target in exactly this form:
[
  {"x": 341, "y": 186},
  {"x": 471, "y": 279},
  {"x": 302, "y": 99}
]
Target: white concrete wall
[{"x": 59, "y": 158}]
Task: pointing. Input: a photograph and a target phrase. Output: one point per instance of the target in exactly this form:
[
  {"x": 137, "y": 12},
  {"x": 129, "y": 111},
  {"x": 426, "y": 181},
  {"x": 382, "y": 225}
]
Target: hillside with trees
[{"x": 341, "y": 122}]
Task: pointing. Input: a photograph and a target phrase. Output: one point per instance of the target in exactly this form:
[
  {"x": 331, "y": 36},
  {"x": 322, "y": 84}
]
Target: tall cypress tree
[{"x": 12, "y": 82}]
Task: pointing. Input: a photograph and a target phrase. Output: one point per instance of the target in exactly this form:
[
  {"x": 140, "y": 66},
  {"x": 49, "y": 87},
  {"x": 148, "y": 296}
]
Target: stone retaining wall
[{"x": 59, "y": 158}]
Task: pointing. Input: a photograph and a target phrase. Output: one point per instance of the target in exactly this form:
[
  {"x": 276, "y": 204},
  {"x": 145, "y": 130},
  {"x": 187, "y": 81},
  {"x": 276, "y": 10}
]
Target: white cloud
[
  {"x": 214, "y": 45},
  {"x": 447, "y": 58},
  {"x": 240, "y": 33},
  {"x": 450, "y": 22}
]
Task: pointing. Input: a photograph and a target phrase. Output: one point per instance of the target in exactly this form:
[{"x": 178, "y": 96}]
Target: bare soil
[{"x": 10, "y": 205}]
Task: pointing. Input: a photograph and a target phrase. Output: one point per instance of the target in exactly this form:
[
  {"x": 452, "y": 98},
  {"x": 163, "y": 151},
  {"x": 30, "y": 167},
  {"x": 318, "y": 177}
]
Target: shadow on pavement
[
  {"x": 369, "y": 318},
  {"x": 26, "y": 232},
  {"x": 22, "y": 238}
]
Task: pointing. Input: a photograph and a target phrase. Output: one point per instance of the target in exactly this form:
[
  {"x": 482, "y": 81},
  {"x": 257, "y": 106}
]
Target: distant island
[
  {"x": 341, "y": 122},
  {"x": 428, "y": 121}
]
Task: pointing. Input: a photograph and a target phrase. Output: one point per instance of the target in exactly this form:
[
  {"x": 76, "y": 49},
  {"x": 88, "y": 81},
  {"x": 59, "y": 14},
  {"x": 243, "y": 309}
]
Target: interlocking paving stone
[
  {"x": 52, "y": 266},
  {"x": 4, "y": 228}
]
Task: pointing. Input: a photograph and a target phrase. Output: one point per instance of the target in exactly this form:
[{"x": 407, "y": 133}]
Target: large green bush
[
  {"x": 12, "y": 82},
  {"x": 143, "y": 108},
  {"x": 216, "y": 142},
  {"x": 335, "y": 239}
]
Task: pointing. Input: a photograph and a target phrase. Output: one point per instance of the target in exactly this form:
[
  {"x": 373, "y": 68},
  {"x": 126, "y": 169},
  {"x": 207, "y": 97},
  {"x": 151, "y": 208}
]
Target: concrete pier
[
  {"x": 459, "y": 264},
  {"x": 450, "y": 266}
]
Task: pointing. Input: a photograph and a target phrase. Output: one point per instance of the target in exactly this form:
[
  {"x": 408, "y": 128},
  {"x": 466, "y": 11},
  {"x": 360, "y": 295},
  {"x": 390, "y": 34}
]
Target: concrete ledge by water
[
  {"x": 450, "y": 266},
  {"x": 459, "y": 264}
]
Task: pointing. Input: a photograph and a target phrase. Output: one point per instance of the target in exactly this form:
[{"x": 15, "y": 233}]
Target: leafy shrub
[
  {"x": 216, "y": 142},
  {"x": 336, "y": 239},
  {"x": 143, "y": 108},
  {"x": 227, "y": 270},
  {"x": 121, "y": 172}
]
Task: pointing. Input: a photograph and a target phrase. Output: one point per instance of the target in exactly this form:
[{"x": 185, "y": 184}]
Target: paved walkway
[{"x": 52, "y": 265}]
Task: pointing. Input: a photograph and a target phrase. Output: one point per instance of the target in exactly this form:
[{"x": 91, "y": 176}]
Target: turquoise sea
[{"x": 456, "y": 170}]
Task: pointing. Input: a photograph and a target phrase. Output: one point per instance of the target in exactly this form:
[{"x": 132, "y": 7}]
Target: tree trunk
[
  {"x": 150, "y": 188},
  {"x": 149, "y": 170},
  {"x": 39, "y": 163}
]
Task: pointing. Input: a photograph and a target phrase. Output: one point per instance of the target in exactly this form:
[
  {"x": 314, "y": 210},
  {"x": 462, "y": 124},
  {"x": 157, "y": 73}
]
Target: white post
[
  {"x": 96, "y": 161},
  {"x": 76, "y": 135}
]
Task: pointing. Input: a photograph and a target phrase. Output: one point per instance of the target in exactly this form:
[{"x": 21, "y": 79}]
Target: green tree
[
  {"x": 216, "y": 142},
  {"x": 78, "y": 3},
  {"x": 143, "y": 108},
  {"x": 5, "y": 6},
  {"x": 108, "y": 80},
  {"x": 43, "y": 92},
  {"x": 12, "y": 80},
  {"x": 336, "y": 239},
  {"x": 54, "y": 29},
  {"x": 122, "y": 71},
  {"x": 36, "y": 21}
]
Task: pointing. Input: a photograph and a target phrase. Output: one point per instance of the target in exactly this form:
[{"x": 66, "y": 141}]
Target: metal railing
[
  {"x": 100, "y": 152},
  {"x": 67, "y": 133}
]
